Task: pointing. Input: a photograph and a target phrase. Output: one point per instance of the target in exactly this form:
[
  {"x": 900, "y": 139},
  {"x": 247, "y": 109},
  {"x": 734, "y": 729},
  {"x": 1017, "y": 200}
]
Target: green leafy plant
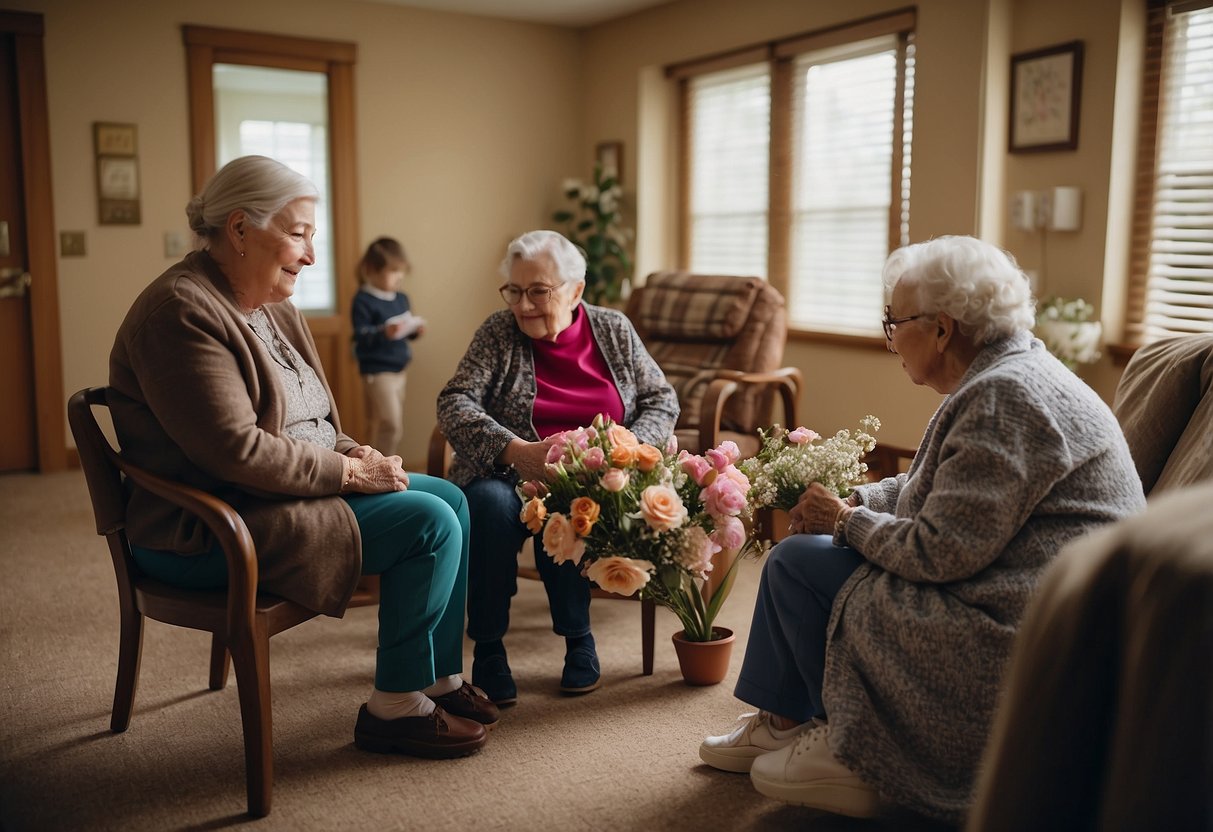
[{"x": 594, "y": 223}]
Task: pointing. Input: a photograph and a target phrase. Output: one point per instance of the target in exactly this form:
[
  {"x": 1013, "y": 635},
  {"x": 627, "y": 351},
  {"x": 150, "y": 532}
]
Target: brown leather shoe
[
  {"x": 437, "y": 736},
  {"x": 469, "y": 702}
]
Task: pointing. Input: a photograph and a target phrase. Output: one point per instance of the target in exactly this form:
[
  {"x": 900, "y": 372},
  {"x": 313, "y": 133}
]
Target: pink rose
[
  {"x": 743, "y": 482},
  {"x": 560, "y": 541},
  {"x": 696, "y": 467},
  {"x": 593, "y": 459},
  {"x": 615, "y": 479},
  {"x": 529, "y": 489},
  {"x": 662, "y": 508},
  {"x": 723, "y": 455},
  {"x": 623, "y": 576},
  {"x": 802, "y": 435},
  {"x": 729, "y": 533},
  {"x": 723, "y": 498}
]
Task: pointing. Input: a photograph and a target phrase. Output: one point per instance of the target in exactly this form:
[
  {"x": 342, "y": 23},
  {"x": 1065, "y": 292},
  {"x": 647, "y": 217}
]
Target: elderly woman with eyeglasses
[
  {"x": 546, "y": 364},
  {"x": 881, "y": 630}
]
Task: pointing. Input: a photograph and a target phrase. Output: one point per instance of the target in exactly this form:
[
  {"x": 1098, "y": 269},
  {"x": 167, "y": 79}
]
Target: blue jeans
[
  {"x": 785, "y": 657},
  {"x": 417, "y": 542},
  {"x": 497, "y": 535}
]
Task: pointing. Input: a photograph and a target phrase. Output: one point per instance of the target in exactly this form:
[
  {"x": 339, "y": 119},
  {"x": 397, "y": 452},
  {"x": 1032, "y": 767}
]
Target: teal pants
[{"x": 417, "y": 542}]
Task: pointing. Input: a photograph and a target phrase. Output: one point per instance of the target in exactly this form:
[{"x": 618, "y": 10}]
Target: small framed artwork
[
  {"x": 1045, "y": 88},
  {"x": 116, "y": 149},
  {"x": 610, "y": 156}
]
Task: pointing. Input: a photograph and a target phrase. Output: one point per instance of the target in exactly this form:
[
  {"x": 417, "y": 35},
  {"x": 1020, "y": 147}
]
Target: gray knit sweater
[{"x": 1020, "y": 459}]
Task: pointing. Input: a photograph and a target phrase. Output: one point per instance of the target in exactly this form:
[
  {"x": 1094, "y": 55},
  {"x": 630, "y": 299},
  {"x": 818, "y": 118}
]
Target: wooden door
[{"x": 31, "y": 380}]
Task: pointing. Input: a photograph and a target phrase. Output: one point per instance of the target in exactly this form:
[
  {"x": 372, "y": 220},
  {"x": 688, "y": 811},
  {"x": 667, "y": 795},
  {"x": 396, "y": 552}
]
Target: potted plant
[
  {"x": 594, "y": 224},
  {"x": 1068, "y": 332},
  {"x": 655, "y": 521}
]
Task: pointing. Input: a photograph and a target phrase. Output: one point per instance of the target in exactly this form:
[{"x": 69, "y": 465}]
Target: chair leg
[
  {"x": 130, "y": 652},
  {"x": 221, "y": 662},
  {"x": 250, "y": 655},
  {"x": 648, "y": 628}
]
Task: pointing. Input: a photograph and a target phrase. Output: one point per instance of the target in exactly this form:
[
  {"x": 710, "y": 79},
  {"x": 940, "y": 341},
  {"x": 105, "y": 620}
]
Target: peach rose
[
  {"x": 662, "y": 508},
  {"x": 533, "y": 513},
  {"x": 647, "y": 457},
  {"x": 560, "y": 541},
  {"x": 623, "y": 576},
  {"x": 615, "y": 480},
  {"x": 582, "y": 526},
  {"x": 622, "y": 456},
  {"x": 618, "y": 435},
  {"x": 585, "y": 507}
]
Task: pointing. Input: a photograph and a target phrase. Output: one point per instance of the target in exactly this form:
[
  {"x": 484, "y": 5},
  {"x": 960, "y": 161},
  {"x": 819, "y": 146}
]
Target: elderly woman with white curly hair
[{"x": 882, "y": 630}]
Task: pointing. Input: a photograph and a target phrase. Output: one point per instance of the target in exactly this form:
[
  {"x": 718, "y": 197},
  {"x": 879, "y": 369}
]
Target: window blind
[
  {"x": 1174, "y": 291},
  {"x": 729, "y": 157},
  {"x": 843, "y": 173}
]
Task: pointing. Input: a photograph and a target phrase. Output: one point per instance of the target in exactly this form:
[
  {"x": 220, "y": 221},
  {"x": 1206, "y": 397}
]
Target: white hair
[
  {"x": 257, "y": 185},
  {"x": 570, "y": 262},
  {"x": 977, "y": 284}
]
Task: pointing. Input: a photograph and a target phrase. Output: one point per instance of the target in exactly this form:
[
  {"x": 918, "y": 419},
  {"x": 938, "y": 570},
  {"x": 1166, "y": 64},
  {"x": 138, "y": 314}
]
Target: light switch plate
[
  {"x": 71, "y": 243},
  {"x": 176, "y": 243}
]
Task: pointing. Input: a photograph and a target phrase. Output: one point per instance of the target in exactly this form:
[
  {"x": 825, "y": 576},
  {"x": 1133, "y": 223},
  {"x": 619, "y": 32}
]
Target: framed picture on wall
[
  {"x": 1045, "y": 87},
  {"x": 115, "y": 147},
  {"x": 610, "y": 156}
]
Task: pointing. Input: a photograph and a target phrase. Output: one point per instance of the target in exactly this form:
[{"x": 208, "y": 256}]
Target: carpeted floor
[{"x": 622, "y": 758}]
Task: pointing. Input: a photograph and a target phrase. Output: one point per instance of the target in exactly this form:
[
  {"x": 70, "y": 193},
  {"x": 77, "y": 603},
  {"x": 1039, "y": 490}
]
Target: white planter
[{"x": 1072, "y": 342}]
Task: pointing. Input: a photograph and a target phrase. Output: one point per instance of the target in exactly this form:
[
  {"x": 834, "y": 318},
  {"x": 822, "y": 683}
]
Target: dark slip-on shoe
[
  {"x": 471, "y": 703},
  {"x": 437, "y": 736}
]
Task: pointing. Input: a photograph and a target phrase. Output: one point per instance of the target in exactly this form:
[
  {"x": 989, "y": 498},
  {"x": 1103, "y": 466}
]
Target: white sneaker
[
  {"x": 736, "y": 751},
  {"x": 807, "y": 773}
]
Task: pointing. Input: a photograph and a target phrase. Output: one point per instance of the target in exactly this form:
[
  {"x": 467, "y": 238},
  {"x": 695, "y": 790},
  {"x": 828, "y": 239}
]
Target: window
[
  {"x": 796, "y": 167},
  {"x": 1171, "y": 283}
]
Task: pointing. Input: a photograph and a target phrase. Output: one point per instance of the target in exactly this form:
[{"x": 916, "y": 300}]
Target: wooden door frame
[
  {"x": 206, "y": 46},
  {"x": 50, "y": 403}
]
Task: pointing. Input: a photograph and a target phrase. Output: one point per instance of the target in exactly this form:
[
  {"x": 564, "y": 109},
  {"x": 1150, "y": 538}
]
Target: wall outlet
[
  {"x": 71, "y": 244},
  {"x": 176, "y": 243},
  {"x": 1024, "y": 210}
]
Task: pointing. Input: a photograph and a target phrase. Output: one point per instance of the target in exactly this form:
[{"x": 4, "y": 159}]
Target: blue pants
[
  {"x": 497, "y": 535},
  {"x": 785, "y": 656},
  {"x": 416, "y": 541}
]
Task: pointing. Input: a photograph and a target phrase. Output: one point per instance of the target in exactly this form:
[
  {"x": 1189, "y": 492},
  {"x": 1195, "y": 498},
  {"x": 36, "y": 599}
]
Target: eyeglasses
[
  {"x": 538, "y": 294},
  {"x": 890, "y": 323}
]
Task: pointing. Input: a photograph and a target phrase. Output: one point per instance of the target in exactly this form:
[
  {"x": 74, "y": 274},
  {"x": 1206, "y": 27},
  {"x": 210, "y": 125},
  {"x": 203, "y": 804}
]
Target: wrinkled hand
[
  {"x": 373, "y": 473},
  {"x": 528, "y": 458},
  {"x": 816, "y": 512}
]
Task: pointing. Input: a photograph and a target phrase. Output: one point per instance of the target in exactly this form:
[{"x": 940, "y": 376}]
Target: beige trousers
[{"x": 385, "y": 410}]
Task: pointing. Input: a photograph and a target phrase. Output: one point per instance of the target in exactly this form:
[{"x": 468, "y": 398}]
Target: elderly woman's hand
[
  {"x": 817, "y": 511},
  {"x": 370, "y": 472},
  {"x": 528, "y": 458}
]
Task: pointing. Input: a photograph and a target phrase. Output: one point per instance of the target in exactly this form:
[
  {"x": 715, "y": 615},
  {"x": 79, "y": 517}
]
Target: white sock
[
  {"x": 393, "y": 705},
  {"x": 444, "y": 685}
]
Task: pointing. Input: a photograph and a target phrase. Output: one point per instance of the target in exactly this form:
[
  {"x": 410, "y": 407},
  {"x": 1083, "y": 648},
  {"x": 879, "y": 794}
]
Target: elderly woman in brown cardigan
[{"x": 215, "y": 382}]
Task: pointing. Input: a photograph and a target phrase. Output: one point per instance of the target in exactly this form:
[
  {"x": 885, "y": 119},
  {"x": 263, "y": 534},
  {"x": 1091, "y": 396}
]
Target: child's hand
[{"x": 394, "y": 331}]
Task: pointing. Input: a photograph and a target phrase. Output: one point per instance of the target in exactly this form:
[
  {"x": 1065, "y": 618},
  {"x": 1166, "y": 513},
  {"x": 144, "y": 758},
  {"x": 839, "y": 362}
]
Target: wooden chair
[
  {"x": 240, "y": 619},
  {"x": 438, "y": 462}
]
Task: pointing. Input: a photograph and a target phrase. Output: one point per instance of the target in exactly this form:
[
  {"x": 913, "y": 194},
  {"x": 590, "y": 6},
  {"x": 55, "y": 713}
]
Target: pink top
[{"x": 572, "y": 381}]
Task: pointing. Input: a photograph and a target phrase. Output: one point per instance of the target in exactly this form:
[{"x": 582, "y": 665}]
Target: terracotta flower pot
[{"x": 704, "y": 662}]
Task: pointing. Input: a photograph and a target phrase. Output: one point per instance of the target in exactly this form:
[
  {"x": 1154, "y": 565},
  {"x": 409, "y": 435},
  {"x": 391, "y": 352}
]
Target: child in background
[{"x": 383, "y": 328}]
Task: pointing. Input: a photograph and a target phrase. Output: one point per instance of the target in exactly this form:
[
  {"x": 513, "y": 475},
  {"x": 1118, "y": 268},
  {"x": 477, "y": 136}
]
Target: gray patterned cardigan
[
  {"x": 489, "y": 400},
  {"x": 1020, "y": 459}
]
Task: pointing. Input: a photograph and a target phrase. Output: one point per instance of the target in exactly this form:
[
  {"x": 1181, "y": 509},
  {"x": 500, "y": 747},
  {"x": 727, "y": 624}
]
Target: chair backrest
[
  {"x": 1164, "y": 403},
  {"x": 98, "y": 459},
  {"x": 696, "y": 324}
]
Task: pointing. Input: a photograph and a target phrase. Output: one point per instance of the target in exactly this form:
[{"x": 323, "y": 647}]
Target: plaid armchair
[{"x": 720, "y": 341}]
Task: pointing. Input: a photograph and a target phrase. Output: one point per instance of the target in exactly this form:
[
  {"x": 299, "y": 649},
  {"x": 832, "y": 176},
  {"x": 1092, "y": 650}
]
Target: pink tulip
[
  {"x": 555, "y": 452},
  {"x": 593, "y": 459},
  {"x": 723, "y": 455}
]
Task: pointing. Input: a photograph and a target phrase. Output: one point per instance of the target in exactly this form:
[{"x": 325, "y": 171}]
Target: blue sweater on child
[{"x": 375, "y": 351}]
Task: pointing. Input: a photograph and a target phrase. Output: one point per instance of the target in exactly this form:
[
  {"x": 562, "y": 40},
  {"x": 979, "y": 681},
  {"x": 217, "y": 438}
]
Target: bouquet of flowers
[
  {"x": 792, "y": 459},
  {"x": 636, "y": 517}
]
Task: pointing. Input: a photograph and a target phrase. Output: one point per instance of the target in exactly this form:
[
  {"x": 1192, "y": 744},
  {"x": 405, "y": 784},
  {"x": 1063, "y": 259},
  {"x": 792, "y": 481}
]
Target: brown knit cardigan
[{"x": 196, "y": 397}]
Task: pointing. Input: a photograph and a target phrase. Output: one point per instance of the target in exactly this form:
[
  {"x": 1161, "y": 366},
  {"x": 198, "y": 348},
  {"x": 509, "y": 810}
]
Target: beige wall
[{"x": 466, "y": 125}]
